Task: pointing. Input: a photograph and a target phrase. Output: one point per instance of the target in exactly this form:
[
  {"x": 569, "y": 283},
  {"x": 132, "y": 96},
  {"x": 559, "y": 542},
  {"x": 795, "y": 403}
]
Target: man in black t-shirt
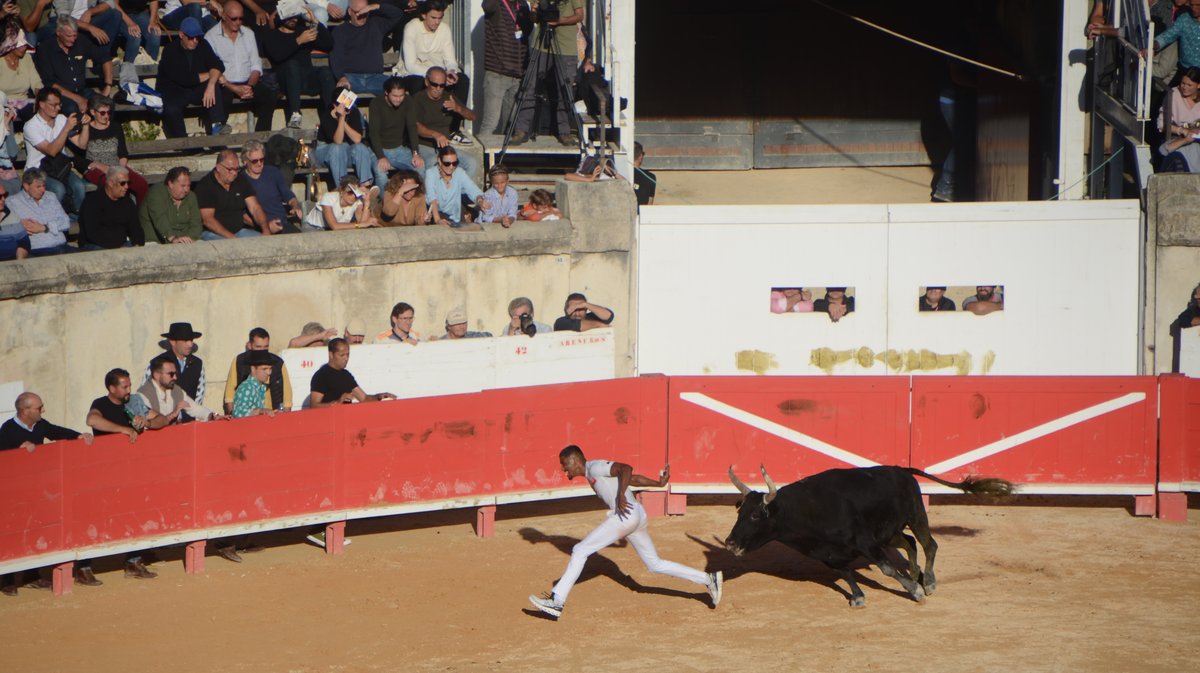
[
  {"x": 229, "y": 207},
  {"x": 581, "y": 315},
  {"x": 332, "y": 384},
  {"x": 108, "y": 416}
]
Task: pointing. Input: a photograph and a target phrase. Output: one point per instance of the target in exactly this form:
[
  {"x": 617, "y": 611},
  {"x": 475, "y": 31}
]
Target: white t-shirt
[
  {"x": 341, "y": 214},
  {"x": 37, "y": 131},
  {"x": 599, "y": 475}
]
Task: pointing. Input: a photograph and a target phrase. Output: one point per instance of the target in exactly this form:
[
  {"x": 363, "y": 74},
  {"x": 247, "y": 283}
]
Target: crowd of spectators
[
  {"x": 172, "y": 391},
  {"x": 394, "y": 155}
]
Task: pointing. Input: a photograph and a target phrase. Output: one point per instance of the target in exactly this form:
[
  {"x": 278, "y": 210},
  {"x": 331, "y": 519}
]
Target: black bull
[{"x": 837, "y": 516}]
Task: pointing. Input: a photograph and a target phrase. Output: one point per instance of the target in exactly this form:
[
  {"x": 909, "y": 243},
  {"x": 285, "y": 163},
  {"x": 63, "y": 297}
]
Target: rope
[
  {"x": 1114, "y": 155},
  {"x": 921, "y": 44}
]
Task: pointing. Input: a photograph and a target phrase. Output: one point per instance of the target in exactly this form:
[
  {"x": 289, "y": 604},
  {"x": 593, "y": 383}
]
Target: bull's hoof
[
  {"x": 929, "y": 584},
  {"x": 919, "y": 595},
  {"x": 857, "y": 602}
]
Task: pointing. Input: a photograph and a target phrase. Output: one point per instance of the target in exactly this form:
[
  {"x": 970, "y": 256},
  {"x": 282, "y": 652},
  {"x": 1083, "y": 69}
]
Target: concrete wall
[
  {"x": 1070, "y": 272},
  {"x": 1172, "y": 260},
  {"x": 67, "y": 320}
]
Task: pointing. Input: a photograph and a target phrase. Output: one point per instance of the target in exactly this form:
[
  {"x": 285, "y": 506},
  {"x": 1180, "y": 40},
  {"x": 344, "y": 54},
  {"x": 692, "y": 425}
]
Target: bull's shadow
[
  {"x": 779, "y": 560},
  {"x": 599, "y": 565}
]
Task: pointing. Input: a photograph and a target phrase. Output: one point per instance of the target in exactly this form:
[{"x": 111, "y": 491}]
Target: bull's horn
[
  {"x": 770, "y": 485},
  {"x": 742, "y": 488}
]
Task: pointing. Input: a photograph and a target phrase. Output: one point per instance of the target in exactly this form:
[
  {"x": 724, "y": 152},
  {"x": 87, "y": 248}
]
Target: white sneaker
[
  {"x": 715, "y": 580},
  {"x": 547, "y": 604},
  {"x": 319, "y": 540},
  {"x": 295, "y": 121},
  {"x": 461, "y": 139}
]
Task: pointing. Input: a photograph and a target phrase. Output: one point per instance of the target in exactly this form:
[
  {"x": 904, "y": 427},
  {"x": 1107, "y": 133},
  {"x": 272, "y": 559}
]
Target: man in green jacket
[{"x": 170, "y": 213}]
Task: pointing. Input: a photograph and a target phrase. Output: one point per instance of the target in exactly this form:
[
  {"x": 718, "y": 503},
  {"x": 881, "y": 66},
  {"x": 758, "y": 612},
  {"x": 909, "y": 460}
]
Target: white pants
[{"x": 632, "y": 528}]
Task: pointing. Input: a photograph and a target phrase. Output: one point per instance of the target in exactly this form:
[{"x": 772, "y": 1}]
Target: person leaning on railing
[{"x": 333, "y": 384}]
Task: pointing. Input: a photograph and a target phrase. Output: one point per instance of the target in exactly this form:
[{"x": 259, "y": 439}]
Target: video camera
[{"x": 547, "y": 11}]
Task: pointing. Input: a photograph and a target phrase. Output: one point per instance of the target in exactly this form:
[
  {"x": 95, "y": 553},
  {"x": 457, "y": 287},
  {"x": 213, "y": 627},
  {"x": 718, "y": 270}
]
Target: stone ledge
[
  {"x": 1173, "y": 206},
  {"x": 84, "y": 272}
]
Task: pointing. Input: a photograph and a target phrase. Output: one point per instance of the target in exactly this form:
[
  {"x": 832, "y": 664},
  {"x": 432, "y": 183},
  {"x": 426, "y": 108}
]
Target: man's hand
[
  {"x": 450, "y": 105},
  {"x": 335, "y": 12},
  {"x": 440, "y": 140},
  {"x": 665, "y": 475},
  {"x": 506, "y": 222},
  {"x": 72, "y": 121},
  {"x": 100, "y": 36},
  {"x": 28, "y": 446},
  {"x": 180, "y": 239},
  {"x": 307, "y": 36},
  {"x": 623, "y": 506},
  {"x": 274, "y": 226},
  {"x": 156, "y": 27},
  {"x": 87, "y": 438},
  {"x": 298, "y": 212},
  {"x": 385, "y": 396},
  {"x": 33, "y": 226},
  {"x": 329, "y": 334},
  {"x": 131, "y": 433},
  {"x": 244, "y": 91},
  {"x": 836, "y": 311},
  {"x": 343, "y": 83},
  {"x": 210, "y": 95},
  {"x": 383, "y": 165},
  {"x": 417, "y": 162},
  {"x": 451, "y": 77},
  {"x": 261, "y": 17},
  {"x": 132, "y": 27},
  {"x": 346, "y": 398},
  {"x": 575, "y": 305}
]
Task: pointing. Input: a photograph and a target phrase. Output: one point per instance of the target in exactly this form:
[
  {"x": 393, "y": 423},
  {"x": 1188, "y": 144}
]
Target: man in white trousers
[{"x": 626, "y": 519}]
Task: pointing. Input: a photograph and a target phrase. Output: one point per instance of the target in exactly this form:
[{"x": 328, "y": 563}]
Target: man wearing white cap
[
  {"x": 456, "y": 327},
  {"x": 355, "y": 331}
]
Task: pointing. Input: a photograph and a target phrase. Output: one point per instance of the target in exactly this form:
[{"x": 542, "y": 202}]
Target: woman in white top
[{"x": 343, "y": 209}]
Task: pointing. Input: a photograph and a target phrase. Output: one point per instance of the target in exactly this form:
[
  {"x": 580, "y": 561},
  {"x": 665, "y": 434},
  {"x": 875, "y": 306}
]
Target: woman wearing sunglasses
[
  {"x": 100, "y": 145},
  {"x": 447, "y": 186}
]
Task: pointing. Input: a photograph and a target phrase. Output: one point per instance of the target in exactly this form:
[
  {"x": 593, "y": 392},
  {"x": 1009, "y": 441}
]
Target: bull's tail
[{"x": 990, "y": 486}]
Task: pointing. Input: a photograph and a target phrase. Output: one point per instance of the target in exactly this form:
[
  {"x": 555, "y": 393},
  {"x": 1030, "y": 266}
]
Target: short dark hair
[
  {"x": 174, "y": 173},
  {"x": 436, "y": 68},
  {"x": 498, "y": 169},
  {"x": 541, "y": 197},
  {"x": 114, "y": 376},
  {"x": 159, "y": 362},
  {"x": 259, "y": 333},
  {"x": 401, "y": 307},
  {"x": 570, "y": 450},
  {"x": 45, "y": 94},
  {"x": 446, "y": 151},
  {"x": 638, "y": 150},
  {"x": 336, "y": 343},
  {"x": 433, "y": 6},
  {"x": 392, "y": 83}
]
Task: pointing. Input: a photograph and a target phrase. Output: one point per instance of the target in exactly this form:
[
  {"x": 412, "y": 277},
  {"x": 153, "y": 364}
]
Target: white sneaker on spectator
[
  {"x": 295, "y": 121},
  {"x": 459, "y": 138}
]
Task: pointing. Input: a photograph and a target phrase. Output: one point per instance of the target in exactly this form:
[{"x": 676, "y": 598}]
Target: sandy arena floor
[
  {"x": 1025, "y": 587},
  {"x": 895, "y": 184}
]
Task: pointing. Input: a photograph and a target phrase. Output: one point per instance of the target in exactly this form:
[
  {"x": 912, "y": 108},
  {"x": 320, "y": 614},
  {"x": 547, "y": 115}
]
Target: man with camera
[
  {"x": 554, "y": 59},
  {"x": 520, "y": 312}
]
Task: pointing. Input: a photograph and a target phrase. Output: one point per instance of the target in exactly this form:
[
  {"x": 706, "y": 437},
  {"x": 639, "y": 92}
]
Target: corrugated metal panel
[
  {"x": 712, "y": 144},
  {"x": 838, "y": 142}
]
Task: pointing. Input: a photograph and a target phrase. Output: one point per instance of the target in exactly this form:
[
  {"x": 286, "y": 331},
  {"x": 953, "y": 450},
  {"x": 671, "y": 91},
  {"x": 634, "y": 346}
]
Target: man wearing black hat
[
  {"x": 279, "y": 386},
  {"x": 250, "y": 398},
  {"x": 935, "y": 299},
  {"x": 190, "y": 369}
]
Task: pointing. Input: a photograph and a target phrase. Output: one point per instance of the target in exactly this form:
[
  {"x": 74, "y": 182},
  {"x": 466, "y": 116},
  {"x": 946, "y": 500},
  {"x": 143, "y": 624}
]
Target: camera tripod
[{"x": 545, "y": 56}]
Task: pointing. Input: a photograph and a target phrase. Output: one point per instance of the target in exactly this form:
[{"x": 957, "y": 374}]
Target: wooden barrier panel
[
  {"x": 1179, "y": 444},
  {"x": 795, "y": 426},
  {"x": 67, "y": 501},
  {"x": 1072, "y": 435},
  {"x": 31, "y": 499}
]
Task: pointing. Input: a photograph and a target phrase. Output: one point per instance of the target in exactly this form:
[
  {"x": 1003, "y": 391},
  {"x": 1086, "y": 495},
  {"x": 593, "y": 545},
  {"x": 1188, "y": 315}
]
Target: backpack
[{"x": 281, "y": 153}]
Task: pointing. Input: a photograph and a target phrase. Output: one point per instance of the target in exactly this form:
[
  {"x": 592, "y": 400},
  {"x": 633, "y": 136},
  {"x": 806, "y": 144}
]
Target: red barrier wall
[
  {"x": 1049, "y": 434},
  {"x": 1179, "y": 444},
  {"x": 795, "y": 426},
  {"x": 1053, "y": 434},
  {"x": 347, "y": 461}
]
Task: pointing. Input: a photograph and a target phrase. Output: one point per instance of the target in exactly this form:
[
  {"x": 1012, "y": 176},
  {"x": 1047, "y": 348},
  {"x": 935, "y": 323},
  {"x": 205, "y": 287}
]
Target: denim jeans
[
  {"x": 366, "y": 82},
  {"x": 399, "y": 157},
  {"x": 75, "y": 187},
  {"x": 298, "y": 79},
  {"x": 118, "y": 33},
  {"x": 339, "y": 157},
  {"x": 244, "y": 232},
  {"x": 149, "y": 40},
  {"x": 196, "y": 11}
]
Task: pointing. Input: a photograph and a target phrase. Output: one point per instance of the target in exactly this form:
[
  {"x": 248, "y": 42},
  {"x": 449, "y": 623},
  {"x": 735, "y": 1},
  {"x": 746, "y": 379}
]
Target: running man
[{"x": 626, "y": 519}]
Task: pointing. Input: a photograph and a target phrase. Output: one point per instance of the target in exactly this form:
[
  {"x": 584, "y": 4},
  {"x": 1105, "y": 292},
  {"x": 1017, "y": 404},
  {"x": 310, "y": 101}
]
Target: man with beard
[
  {"x": 935, "y": 299},
  {"x": 985, "y": 300},
  {"x": 160, "y": 394},
  {"x": 108, "y": 415}
]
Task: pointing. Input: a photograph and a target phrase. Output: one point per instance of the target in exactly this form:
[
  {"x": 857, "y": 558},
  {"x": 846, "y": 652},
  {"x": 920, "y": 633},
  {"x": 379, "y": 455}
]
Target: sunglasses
[
  {"x": 122, "y": 183},
  {"x": 436, "y": 85},
  {"x": 101, "y": 112},
  {"x": 256, "y": 161},
  {"x": 234, "y": 19},
  {"x": 449, "y": 163}
]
